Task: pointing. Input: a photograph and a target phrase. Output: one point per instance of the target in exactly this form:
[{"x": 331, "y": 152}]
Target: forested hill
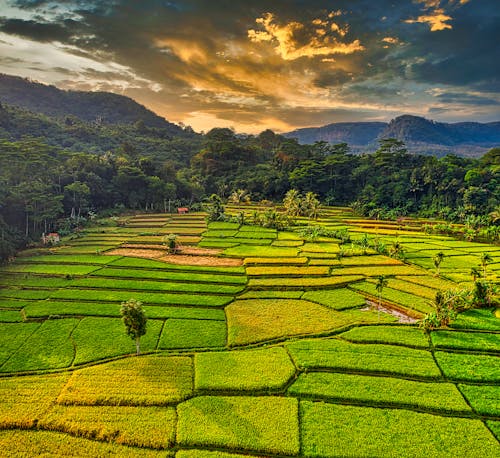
[
  {"x": 75, "y": 135},
  {"x": 102, "y": 107},
  {"x": 419, "y": 134}
]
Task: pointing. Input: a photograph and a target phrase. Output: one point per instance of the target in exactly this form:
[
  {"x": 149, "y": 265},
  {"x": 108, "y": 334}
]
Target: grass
[
  {"x": 248, "y": 235},
  {"x": 158, "y": 311},
  {"x": 209, "y": 454},
  {"x": 221, "y": 225},
  {"x": 71, "y": 259},
  {"x": 259, "y": 320},
  {"x": 98, "y": 338},
  {"x": 287, "y": 271},
  {"x": 466, "y": 340},
  {"x": 151, "y": 285},
  {"x": 337, "y": 299},
  {"x": 412, "y": 288},
  {"x": 481, "y": 319},
  {"x": 10, "y": 316},
  {"x": 145, "y": 297},
  {"x": 182, "y": 333},
  {"x": 484, "y": 399},
  {"x": 375, "y": 271},
  {"x": 55, "y": 308},
  {"x": 392, "y": 295},
  {"x": 271, "y": 294},
  {"x": 152, "y": 427},
  {"x": 23, "y": 280},
  {"x": 188, "y": 275},
  {"x": 30, "y": 294},
  {"x": 380, "y": 391},
  {"x": 152, "y": 265},
  {"x": 12, "y": 304},
  {"x": 245, "y": 251},
  {"x": 52, "y": 269},
  {"x": 49, "y": 347},
  {"x": 48, "y": 443},
  {"x": 258, "y": 424},
  {"x": 429, "y": 281},
  {"x": 305, "y": 282},
  {"x": 395, "y": 335},
  {"x": 219, "y": 233},
  {"x": 382, "y": 359},
  {"x": 367, "y": 432},
  {"x": 26, "y": 399},
  {"x": 276, "y": 260},
  {"x": 463, "y": 367},
  {"x": 374, "y": 260},
  {"x": 249, "y": 370},
  {"x": 256, "y": 320},
  {"x": 12, "y": 336},
  {"x": 139, "y": 381},
  {"x": 495, "y": 428}
]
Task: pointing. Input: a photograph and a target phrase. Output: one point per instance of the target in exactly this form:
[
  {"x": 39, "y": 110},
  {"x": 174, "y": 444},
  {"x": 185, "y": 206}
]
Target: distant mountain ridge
[
  {"x": 104, "y": 107},
  {"x": 420, "y": 135}
]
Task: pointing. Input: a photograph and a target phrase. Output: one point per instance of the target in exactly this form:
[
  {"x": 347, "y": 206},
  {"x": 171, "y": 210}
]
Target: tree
[
  {"x": 215, "y": 208},
  {"x": 135, "y": 321},
  {"x": 310, "y": 205},
  {"x": 485, "y": 260},
  {"x": 438, "y": 259},
  {"x": 381, "y": 284},
  {"x": 78, "y": 193},
  {"x": 475, "y": 273},
  {"x": 445, "y": 304},
  {"x": 170, "y": 241},
  {"x": 291, "y": 202}
]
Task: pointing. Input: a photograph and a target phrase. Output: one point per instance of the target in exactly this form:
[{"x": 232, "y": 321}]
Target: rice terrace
[{"x": 259, "y": 342}]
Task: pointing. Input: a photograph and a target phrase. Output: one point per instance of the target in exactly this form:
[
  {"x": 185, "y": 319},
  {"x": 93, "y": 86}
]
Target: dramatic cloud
[
  {"x": 280, "y": 65},
  {"x": 293, "y": 40},
  {"x": 437, "y": 20}
]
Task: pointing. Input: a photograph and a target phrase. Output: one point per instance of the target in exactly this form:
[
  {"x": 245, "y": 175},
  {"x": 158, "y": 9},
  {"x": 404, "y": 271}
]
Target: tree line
[{"x": 46, "y": 187}]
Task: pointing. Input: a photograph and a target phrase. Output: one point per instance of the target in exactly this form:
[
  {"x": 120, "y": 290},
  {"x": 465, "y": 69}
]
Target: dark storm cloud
[
  {"x": 466, "y": 99},
  {"x": 34, "y": 30}
]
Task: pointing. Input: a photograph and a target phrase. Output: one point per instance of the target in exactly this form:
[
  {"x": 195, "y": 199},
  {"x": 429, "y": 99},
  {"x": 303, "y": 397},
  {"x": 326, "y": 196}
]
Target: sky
[{"x": 256, "y": 65}]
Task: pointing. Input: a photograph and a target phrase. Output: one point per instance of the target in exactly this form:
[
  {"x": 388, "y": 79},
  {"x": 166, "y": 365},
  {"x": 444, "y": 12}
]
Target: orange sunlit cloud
[
  {"x": 437, "y": 20},
  {"x": 289, "y": 42}
]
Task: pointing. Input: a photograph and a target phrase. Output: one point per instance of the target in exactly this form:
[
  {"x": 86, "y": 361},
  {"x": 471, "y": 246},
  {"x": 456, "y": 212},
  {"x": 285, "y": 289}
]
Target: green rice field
[{"x": 259, "y": 343}]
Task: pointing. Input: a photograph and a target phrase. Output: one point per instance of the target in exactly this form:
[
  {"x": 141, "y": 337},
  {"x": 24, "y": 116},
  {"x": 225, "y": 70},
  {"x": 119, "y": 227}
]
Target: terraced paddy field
[{"x": 259, "y": 343}]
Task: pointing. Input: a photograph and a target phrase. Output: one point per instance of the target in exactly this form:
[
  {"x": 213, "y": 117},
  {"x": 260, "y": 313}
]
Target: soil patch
[
  {"x": 189, "y": 256},
  {"x": 137, "y": 253},
  {"x": 402, "y": 317}
]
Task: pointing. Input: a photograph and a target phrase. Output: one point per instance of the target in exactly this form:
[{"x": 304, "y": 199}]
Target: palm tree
[
  {"x": 381, "y": 284},
  {"x": 495, "y": 214},
  {"x": 485, "y": 260},
  {"x": 476, "y": 273},
  {"x": 438, "y": 259}
]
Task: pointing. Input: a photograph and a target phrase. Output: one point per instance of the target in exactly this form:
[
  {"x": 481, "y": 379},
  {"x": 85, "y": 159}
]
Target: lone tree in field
[
  {"x": 438, "y": 259},
  {"x": 135, "y": 320},
  {"x": 381, "y": 284}
]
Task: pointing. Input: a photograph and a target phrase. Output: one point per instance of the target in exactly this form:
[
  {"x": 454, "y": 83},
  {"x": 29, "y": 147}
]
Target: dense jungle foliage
[{"x": 68, "y": 170}]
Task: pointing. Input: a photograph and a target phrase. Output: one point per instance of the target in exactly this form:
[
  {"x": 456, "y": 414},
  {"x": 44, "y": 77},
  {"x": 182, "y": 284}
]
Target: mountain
[
  {"x": 419, "y": 134},
  {"x": 81, "y": 136},
  {"x": 103, "y": 107},
  {"x": 354, "y": 133}
]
